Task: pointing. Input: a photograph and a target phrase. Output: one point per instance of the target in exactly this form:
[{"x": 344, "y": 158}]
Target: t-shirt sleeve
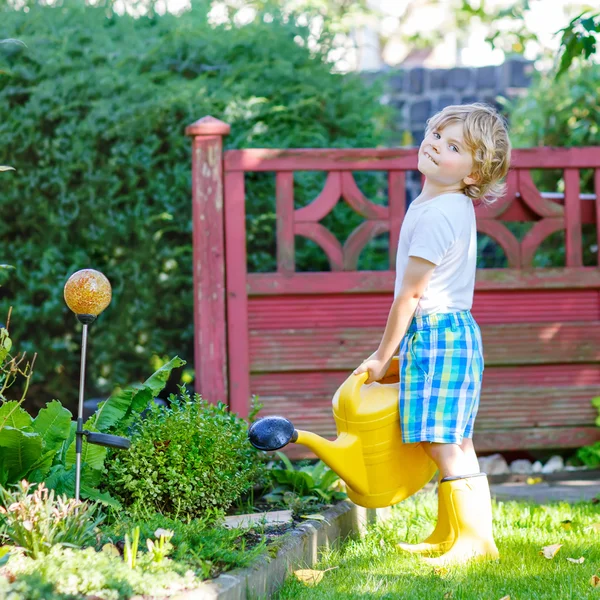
[{"x": 432, "y": 236}]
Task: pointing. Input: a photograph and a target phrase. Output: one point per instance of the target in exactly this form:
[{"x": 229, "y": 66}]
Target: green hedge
[{"x": 92, "y": 115}]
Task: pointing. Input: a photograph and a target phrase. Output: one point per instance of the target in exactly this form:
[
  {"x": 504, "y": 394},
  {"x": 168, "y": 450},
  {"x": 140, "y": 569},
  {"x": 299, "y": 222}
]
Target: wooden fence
[{"x": 293, "y": 337}]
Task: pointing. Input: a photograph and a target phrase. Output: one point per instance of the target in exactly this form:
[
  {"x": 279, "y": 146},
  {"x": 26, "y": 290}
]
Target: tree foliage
[{"x": 92, "y": 115}]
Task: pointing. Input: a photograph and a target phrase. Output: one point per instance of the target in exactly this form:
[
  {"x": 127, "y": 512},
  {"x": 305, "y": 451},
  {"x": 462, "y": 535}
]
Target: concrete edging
[{"x": 299, "y": 550}]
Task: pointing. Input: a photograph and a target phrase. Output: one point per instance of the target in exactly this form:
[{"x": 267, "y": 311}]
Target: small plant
[
  {"x": 209, "y": 550},
  {"x": 130, "y": 549},
  {"x": 189, "y": 460},
  {"x": 309, "y": 482},
  {"x": 160, "y": 548},
  {"x": 590, "y": 455},
  {"x": 38, "y": 520}
]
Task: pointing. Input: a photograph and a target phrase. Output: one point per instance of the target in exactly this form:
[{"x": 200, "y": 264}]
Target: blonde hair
[{"x": 486, "y": 136}]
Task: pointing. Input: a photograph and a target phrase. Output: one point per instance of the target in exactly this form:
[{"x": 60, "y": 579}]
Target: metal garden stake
[{"x": 87, "y": 294}]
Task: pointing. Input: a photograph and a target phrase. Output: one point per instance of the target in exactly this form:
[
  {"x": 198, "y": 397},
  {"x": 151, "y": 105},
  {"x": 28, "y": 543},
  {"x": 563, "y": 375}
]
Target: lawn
[{"x": 372, "y": 567}]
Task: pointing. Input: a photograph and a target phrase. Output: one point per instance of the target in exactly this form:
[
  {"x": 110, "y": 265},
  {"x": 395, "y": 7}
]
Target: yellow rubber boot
[
  {"x": 440, "y": 538},
  {"x": 469, "y": 507}
]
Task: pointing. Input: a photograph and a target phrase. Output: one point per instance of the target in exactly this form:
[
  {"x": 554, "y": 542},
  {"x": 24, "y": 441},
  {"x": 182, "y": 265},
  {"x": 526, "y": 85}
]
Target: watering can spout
[{"x": 344, "y": 455}]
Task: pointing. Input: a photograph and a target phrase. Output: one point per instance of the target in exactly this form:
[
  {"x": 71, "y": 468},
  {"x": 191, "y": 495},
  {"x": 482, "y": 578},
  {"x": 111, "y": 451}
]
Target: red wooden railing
[{"x": 293, "y": 337}]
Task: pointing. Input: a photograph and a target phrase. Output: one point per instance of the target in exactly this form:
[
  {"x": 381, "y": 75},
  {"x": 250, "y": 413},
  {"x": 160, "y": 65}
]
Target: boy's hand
[{"x": 376, "y": 368}]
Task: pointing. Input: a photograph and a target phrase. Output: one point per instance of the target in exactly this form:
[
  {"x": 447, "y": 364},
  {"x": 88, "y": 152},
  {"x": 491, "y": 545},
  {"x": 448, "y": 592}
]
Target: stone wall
[{"x": 418, "y": 93}]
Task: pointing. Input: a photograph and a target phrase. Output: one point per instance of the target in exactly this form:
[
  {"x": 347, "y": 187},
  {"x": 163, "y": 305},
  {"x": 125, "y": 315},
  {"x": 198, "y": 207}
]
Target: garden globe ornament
[
  {"x": 87, "y": 293},
  {"x": 368, "y": 454}
]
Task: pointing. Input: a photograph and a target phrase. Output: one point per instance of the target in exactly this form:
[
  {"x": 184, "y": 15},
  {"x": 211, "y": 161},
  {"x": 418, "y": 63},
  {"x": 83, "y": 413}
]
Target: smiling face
[{"x": 444, "y": 158}]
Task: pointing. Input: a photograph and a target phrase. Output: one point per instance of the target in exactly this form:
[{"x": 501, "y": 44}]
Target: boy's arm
[{"x": 416, "y": 278}]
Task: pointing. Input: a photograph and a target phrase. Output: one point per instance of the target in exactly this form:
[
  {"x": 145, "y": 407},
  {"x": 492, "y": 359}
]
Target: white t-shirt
[{"x": 443, "y": 231}]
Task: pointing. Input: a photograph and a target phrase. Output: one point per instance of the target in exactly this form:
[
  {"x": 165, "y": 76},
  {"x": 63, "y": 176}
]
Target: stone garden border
[{"x": 300, "y": 549}]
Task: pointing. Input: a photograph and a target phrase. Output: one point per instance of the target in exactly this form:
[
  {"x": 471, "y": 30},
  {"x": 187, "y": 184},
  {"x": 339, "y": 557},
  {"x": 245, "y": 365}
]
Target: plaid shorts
[{"x": 441, "y": 366}]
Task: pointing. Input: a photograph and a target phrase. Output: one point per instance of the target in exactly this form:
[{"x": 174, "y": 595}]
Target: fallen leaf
[
  {"x": 566, "y": 525},
  {"x": 593, "y": 527},
  {"x": 311, "y": 577},
  {"x": 533, "y": 481},
  {"x": 441, "y": 571},
  {"x": 315, "y": 517},
  {"x": 576, "y": 560},
  {"x": 448, "y": 595},
  {"x": 550, "y": 551},
  {"x": 595, "y": 581},
  {"x": 505, "y": 598}
]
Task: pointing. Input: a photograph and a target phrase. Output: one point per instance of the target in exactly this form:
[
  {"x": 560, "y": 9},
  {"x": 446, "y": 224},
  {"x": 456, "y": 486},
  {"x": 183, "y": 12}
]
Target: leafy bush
[
  {"x": 37, "y": 520},
  {"x": 92, "y": 116},
  {"x": 43, "y": 448},
  {"x": 191, "y": 459}
]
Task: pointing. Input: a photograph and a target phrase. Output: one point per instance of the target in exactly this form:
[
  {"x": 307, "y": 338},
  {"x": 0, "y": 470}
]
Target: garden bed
[{"x": 300, "y": 548}]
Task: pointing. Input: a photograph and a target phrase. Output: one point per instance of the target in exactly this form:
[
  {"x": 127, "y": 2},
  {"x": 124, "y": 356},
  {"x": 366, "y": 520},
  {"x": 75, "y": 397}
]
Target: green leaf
[
  {"x": 40, "y": 468},
  {"x": 61, "y": 480},
  {"x": 318, "y": 470},
  {"x": 119, "y": 407},
  {"x": 19, "y": 450},
  {"x": 286, "y": 461},
  {"x": 132, "y": 399},
  {"x": 53, "y": 423},
  {"x": 61, "y": 457},
  {"x": 13, "y": 415},
  {"x": 102, "y": 497},
  {"x": 328, "y": 480},
  {"x": 91, "y": 454},
  {"x": 157, "y": 381},
  {"x": 5, "y": 344}
]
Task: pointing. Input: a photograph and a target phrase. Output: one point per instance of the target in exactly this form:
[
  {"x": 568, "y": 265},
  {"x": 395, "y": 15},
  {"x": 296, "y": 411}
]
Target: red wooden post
[
  {"x": 237, "y": 294},
  {"x": 597, "y": 203},
  {"x": 210, "y": 347}
]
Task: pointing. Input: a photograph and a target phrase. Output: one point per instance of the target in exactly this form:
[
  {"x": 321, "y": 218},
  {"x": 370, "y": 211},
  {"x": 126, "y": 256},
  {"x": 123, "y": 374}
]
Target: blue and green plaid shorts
[{"x": 441, "y": 366}]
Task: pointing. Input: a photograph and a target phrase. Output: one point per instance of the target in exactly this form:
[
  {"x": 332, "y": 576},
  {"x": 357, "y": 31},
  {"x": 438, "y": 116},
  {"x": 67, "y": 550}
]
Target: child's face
[{"x": 444, "y": 158}]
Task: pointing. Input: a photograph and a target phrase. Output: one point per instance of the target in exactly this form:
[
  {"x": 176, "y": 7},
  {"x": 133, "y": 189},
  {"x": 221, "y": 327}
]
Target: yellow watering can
[{"x": 368, "y": 454}]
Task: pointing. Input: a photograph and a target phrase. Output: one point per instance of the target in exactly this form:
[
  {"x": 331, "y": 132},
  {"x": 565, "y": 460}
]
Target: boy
[{"x": 464, "y": 156}]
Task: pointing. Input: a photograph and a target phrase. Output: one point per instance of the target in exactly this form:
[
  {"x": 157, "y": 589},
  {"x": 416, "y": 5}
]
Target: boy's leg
[
  {"x": 451, "y": 460},
  {"x": 466, "y": 497},
  {"x": 470, "y": 456}
]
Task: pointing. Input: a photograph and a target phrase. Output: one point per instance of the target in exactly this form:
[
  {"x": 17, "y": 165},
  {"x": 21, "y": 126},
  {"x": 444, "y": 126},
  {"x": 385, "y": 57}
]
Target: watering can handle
[{"x": 351, "y": 387}]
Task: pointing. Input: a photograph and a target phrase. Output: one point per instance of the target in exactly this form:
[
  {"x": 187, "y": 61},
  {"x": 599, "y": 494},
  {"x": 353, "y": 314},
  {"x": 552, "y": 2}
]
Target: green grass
[{"x": 372, "y": 567}]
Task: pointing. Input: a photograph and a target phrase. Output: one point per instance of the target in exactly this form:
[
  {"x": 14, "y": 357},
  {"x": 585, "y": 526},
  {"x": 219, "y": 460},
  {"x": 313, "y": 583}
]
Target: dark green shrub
[
  {"x": 565, "y": 113},
  {"x": 189, "y": 460},
  {"x": 92, "y": 116}
]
